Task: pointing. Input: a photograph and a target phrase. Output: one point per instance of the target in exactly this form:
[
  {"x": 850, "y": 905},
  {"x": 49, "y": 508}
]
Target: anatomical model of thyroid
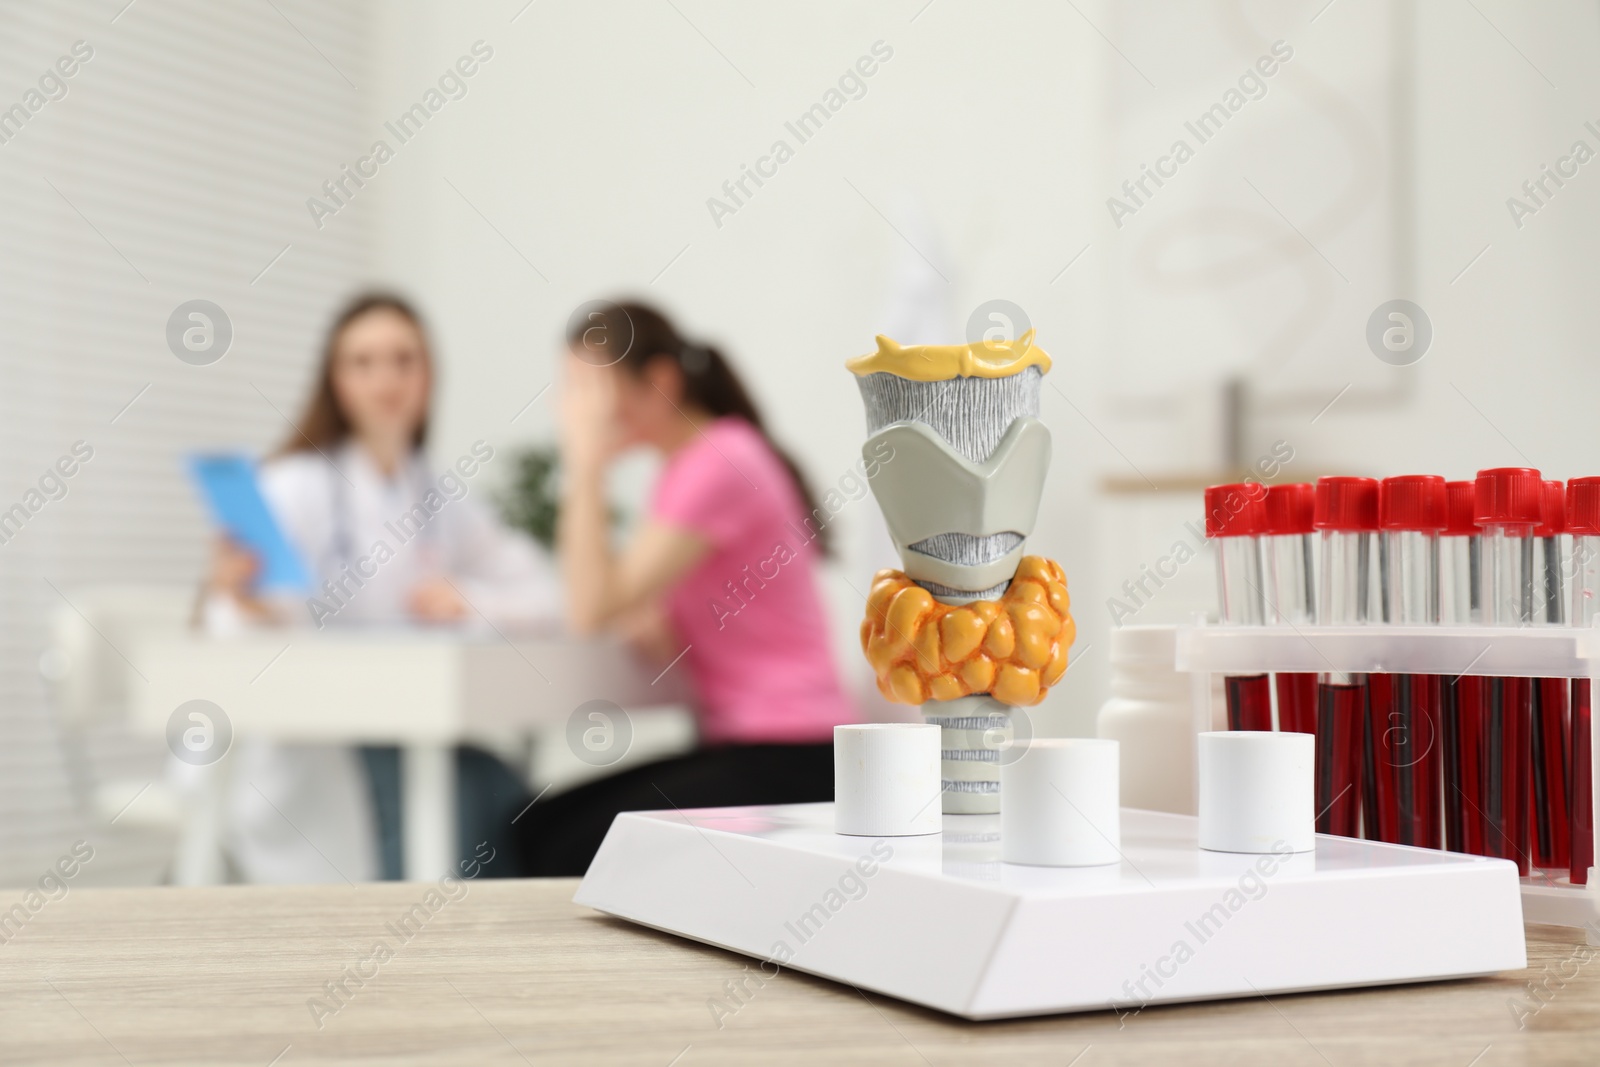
[{"x": 972, "y": 627}]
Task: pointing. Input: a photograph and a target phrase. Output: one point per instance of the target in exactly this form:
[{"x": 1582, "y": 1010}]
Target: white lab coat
[{"x": 303, "y": 813}]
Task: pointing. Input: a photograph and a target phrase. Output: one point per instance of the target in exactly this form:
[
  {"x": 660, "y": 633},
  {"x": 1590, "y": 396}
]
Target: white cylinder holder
[
  {"x": 1257, "y": 791},
  {"x": 886, "y": 779},
  {"x": 1060, "y": 802}
]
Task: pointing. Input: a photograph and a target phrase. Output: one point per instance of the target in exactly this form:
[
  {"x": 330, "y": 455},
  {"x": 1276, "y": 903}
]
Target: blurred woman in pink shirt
[{"x": 721, "y": 572}]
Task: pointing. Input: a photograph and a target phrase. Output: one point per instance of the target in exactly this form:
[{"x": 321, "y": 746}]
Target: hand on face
[
  {"x": 589, "y": 433},
  {"x": 437, "y": 600}
]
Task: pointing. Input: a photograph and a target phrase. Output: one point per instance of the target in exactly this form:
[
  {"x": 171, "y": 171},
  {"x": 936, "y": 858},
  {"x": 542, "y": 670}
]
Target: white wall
[{"x": 593, "y": 138}]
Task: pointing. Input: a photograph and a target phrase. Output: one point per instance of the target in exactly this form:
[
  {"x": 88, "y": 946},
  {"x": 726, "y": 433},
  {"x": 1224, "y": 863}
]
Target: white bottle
[{"x": 1151, "y": 712}]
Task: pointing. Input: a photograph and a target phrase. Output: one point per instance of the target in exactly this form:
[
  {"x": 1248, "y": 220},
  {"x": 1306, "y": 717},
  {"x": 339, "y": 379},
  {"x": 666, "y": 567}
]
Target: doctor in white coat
[{"x": 390, "y": 539}]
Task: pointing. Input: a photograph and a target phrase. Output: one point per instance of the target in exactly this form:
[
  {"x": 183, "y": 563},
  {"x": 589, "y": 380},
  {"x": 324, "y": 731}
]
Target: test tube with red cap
[
  {"x": 1508, "y": 506},
  {"x": 1346, "y": 516},
  {"x": 1550, "y": 766},
  {"x": 1235, "y": 518},
  {"x": 1462, "y": 698},
  {"x": 1583, "y": 524},
  {"x": 1289, "y": 562},
  {"x": 1403, "y": 722}
]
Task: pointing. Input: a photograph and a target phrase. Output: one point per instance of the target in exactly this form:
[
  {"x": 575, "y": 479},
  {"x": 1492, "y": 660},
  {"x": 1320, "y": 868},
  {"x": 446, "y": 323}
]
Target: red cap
[
  {"x": 1413, "y": 502},
  {"x": 1508, "y": 496},
  {"x": 1460, "y": 499},
  {"x": 1349, "y": 504},
  {"x": 1235, "y": 510},
  {"x": 1290, "y": 508},
  {"x": 1553, "y": 514},
  {"x": 1583, "y": 507}
]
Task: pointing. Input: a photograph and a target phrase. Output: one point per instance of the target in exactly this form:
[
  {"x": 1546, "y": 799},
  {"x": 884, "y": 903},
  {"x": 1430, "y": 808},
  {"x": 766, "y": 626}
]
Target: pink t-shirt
[{"x": 750, "y": 611}]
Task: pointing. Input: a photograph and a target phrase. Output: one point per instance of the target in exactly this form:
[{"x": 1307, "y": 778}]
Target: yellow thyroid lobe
[
  {"x": 1014, "y": 648},
  {"x": 939, "y": 363}
]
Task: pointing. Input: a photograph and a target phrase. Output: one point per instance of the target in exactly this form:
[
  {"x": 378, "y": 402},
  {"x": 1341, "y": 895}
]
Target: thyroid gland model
[{"x": 972, "y": 627}]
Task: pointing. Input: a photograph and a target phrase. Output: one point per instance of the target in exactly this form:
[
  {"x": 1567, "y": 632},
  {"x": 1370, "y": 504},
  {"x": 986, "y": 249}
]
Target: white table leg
[
  {"x": 198, "y": 859},
  {"x": 428, "y": 810}
]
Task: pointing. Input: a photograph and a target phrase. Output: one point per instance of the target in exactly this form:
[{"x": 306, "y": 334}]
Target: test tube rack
[{"x": 1207, "y": 649}]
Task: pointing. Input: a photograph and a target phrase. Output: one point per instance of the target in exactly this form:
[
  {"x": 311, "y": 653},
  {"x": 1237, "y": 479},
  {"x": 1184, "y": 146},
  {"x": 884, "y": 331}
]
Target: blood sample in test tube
[
  {"x": 1412, "y": 511},
  {"x": 1551, "y": 835},
  {"x": 1235, "y": 518},
  {"x": 1289, "y": 566},
  {"x": 1508, "y": 506},
  {"x": 1346, "y": 517},
  {"x": 1463, "y": 699},
  {"x": 1583, "y": 525}
]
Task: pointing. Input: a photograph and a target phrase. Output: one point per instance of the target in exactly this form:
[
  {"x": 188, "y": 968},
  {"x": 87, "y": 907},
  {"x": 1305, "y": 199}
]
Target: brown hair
[
  {"x": 323, "y": 423},
  {"x": 635, "y": 335}
]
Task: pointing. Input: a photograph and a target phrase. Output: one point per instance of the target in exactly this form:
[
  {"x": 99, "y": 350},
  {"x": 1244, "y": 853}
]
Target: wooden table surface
[{"x": 513, "y": 972}]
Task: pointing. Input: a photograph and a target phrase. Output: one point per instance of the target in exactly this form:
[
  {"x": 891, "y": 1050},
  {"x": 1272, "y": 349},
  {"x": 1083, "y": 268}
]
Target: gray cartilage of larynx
[
  {"x": 975, "y": 732},
  {"x": 939, "y": 505},
  {"x": 960, "y": 498},
  {"x": 972, "y": 414}
]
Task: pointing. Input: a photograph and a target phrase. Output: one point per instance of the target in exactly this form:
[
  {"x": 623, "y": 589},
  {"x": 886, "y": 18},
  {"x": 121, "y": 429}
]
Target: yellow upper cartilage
[{"x": 938, "y": 363}]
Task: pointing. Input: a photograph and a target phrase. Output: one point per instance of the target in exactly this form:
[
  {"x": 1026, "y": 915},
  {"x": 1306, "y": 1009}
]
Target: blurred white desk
[{"x": 425, "y": 691}]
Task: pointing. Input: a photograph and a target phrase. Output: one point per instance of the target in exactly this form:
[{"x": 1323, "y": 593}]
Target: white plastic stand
[
  {"x": 1450, "y": 651},
  {"x": 1168, "y": 923}
]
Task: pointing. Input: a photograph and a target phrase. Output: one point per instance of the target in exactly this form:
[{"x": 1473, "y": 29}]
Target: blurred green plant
[
  {"x": 533, "y": 500},
  {"x": 532, "y": 503}
]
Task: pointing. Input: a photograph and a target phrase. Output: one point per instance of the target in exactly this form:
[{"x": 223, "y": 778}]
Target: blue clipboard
[{"x": 228, "y": 484}]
